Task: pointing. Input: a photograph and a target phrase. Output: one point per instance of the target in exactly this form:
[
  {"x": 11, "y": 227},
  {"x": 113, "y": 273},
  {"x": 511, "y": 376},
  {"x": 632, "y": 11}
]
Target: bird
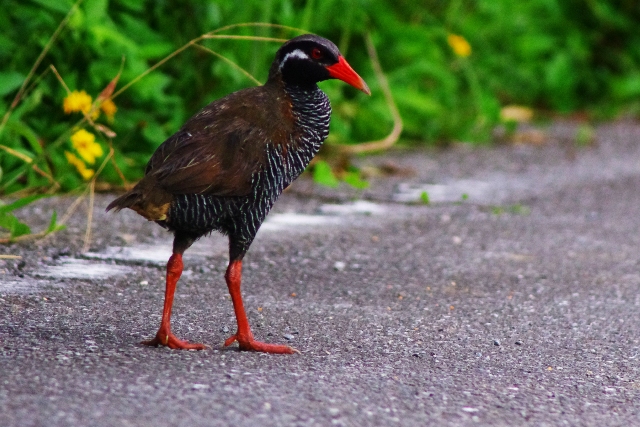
[{"x": 226, "y": 166}]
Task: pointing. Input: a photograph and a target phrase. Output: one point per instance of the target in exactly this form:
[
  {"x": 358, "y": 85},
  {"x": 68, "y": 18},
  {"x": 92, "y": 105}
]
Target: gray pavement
[{"x": 515, "y": 304}]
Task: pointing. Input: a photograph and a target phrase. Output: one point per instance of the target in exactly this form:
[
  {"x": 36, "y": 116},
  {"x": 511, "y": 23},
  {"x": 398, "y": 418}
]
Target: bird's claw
[
  {"x": 171, "y": 341},
  {"x": 252, "y": 345}
]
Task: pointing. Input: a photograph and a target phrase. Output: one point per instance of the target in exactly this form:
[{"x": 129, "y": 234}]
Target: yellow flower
[
  {"x": 85, "y": 144},
  {"x": 85, "y": 172},
  {"x": 516, "y": 113},
  {"x": 77, "y": 102},
  {"x": 109, "y": 108},
  {"x": 459, "y": 44}
]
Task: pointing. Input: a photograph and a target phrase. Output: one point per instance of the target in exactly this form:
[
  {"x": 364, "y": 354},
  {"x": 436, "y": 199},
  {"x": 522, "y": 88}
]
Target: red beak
[{"x": 343, "y": 71}]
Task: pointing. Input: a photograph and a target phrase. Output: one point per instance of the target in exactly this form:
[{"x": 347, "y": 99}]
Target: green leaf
[
  {"x": 28, "y": 104},
  {"x": 6, "y": 220},
  {"x": 154, "y": 133},
  {"x": 96, "y": 11},
  {"x": 16, "y": 227},
  {"x": 353, "y": 179},
  {"x": 135, "y": 5},
  {"x": 19, "y": 228},
  {"x": 585, "y": 135},
  {"x": 53, "y": 225},
  {"x": 23, "y": 130},
  {"x": 424, "y": 197},
  {"x": 323, "y": 175},
  {"x": 155, "y": 50},
  {"x": 10, "y": 81},
  {"x": 104, "y": 34},
  {"x": 5, "y": 209},
  {"x": 58, "y": 5}
]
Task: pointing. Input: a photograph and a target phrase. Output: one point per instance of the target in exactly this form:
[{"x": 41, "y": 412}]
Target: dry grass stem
[
  {"x": 36, "y": 64},
  {"x": 72, "y": 208},
  {"x": 209, "y": 35},
  {"x": 25, "y": 237},
  {"x": 92, "y": 193},
  {"x": 230, "y": 62},
  {"x": 60, "y": 79},
  {"x": 108, "y": 93},
  {"x": 87, "y": 234},
  {"x": 112, "y": 159},
  {"x": 29, "y": 160},
  {"x": 392, "y": 138},
  {"x": 250, "y": 38}
]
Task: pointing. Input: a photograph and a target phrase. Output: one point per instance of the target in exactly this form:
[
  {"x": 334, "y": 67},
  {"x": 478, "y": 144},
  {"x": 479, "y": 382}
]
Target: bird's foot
[
  {"x": 249, "y": 344},
  {"x": 169, "y": 340}
]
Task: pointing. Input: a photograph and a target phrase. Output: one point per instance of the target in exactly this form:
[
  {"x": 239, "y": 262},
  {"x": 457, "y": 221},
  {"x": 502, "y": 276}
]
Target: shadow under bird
[{"x": 225, "y": 168}]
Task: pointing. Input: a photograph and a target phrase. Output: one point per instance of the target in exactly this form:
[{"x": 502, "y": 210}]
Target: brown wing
[{"x": 218, "y": 150}]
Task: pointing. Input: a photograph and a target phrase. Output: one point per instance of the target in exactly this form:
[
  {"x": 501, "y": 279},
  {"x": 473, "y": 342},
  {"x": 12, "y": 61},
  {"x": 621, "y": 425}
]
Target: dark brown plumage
[{"x": 227, "y": 165}]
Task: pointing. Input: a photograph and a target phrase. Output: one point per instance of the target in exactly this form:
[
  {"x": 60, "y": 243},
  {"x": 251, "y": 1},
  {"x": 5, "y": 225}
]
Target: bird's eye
[{"x": 316, "y": 53}]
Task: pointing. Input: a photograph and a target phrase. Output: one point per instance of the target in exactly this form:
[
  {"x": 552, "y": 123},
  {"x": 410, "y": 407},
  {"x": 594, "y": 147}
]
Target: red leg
[
  {"x": 243, "y": 334},
  {"x": 164, "y": 335}
]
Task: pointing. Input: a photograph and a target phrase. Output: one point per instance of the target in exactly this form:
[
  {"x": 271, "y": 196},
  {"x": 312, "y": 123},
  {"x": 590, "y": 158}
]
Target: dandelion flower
[
  {"x": 109, "y": 108},
  {"x": 82, "y": 169},
  {"x": 77, "y": 102},
  {"x": 85, "y": 144},
  {"x": 459, "y": 45}
]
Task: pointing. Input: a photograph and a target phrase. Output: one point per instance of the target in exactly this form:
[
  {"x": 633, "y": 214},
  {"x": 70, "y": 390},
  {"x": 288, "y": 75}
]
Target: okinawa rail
[{"x": 227, "y": 165}]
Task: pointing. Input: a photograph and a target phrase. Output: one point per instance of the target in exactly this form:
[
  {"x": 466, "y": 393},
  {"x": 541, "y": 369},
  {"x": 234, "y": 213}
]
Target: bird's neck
[
  {"x": 286, "y": 161},
  {"x": 312, "y": 111}
]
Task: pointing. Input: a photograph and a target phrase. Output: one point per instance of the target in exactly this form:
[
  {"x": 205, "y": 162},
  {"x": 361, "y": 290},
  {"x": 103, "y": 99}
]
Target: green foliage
[
  {"x": 352, "y": 177},
  {"x": 517, "y": 209},
  {"x": 17, "y": 228},
  {"x": 585, "y": 135},
  {"x": 424, "y": 198},
  {"x": 322, "y": 174},
  {"x": 563, "y": 55}
]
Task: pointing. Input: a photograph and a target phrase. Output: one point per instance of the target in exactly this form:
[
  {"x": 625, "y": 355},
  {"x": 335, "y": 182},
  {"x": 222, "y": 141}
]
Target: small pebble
[
  {"x": 518, "y": 342},
  {"x": 339, "y": 265},
  {"x": 288, "y": 337},
  {"x": 224, "y": 329},
  {"x": 496, "y": 342},
  {"x": 199, "y": 386}
]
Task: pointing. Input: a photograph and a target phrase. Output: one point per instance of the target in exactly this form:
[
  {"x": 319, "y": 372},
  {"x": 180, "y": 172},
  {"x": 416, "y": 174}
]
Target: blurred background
[{"x": 452, "y": 66}]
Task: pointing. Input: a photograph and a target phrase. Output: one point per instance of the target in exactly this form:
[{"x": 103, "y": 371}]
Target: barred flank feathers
[{"x": 242, "y": 216}]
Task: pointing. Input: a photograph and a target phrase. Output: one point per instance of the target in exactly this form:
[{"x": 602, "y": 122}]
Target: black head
[{"x": 308, "y": 59}]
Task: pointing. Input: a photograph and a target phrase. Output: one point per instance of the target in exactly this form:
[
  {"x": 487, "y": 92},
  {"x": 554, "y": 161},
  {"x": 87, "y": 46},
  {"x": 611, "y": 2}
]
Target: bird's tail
[
  {"x": 127, "y": 200},
  {"x": 147, "y": 199}
]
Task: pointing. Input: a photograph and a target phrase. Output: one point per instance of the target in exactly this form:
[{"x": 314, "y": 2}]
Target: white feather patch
[{"x": 295, "y": 54}]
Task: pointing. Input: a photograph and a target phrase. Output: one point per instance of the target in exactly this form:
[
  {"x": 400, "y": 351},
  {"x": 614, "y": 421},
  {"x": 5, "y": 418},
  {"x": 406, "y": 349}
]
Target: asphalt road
[{"x": 515, "y": 304}]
